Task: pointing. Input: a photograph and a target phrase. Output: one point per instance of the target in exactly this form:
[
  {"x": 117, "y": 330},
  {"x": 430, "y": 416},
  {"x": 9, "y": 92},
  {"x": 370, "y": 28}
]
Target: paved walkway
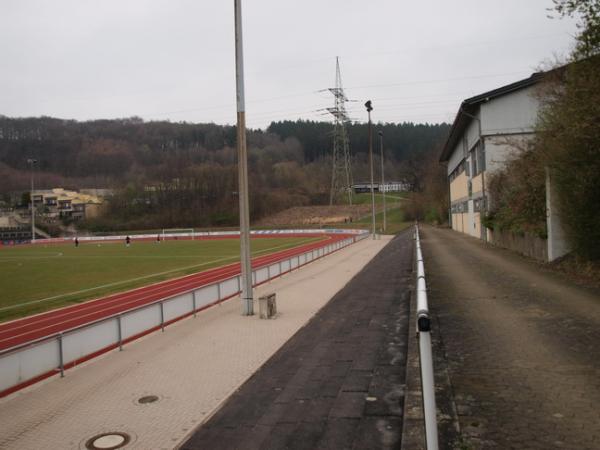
[
  {"x": 339, "y": 382},
  {"x": 520, "y": 345},
  {"x": 192, "y": 368}
]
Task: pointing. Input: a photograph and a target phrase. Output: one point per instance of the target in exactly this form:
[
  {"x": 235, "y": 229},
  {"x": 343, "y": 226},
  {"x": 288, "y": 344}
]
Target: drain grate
[
  {"x": 108, "y": 441},
  {"x": 148, "y": 399}
]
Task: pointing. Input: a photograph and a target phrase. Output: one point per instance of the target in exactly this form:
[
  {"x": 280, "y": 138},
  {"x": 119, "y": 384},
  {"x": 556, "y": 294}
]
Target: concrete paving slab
[
  {"x": 193, "y": 367},
  {"x": 323, "y": 401}
]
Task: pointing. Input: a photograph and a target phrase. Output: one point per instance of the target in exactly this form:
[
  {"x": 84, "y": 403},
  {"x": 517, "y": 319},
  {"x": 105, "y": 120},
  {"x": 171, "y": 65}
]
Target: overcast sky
[{"x": 174, "y": 59}]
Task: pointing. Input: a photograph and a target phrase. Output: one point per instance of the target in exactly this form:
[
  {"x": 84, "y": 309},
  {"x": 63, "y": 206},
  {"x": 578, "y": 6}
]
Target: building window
[
  {"x": 480, "y": 157},
  {"x": 479, "y": 204},
  {"x": 474, "y": 161},
  {"x": 477, "y": 157},
  {"x": 458, "y": 170}
]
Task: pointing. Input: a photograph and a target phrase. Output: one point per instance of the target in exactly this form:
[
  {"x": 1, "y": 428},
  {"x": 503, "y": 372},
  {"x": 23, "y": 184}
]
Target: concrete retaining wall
[{"x": 527, "y": 244}]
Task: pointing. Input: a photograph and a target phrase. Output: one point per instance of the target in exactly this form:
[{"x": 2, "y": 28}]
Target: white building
[
  {"x": 485, "y": 132},
  {"x": 388, "y": 186}
]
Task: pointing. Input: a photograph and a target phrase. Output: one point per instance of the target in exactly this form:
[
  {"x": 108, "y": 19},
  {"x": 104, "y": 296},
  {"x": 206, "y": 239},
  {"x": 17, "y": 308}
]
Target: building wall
[
  {"x": 459, "y": 188},
  {"x": 499, "y": 149},
  {"x": 457, "y": 222},
  {"x": 476, "y": 231},
  {"x": 511, "y": 113},
  {"x": 477, "y": 184},
  {"x": 460, "y": 222},
  {"x": 507, "y": 122},
  {"x": 462, "y": 147}
]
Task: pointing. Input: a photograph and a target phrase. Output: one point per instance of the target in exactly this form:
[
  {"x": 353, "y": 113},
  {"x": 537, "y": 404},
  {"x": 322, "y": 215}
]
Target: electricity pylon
[{"x": 341, "y": 174}]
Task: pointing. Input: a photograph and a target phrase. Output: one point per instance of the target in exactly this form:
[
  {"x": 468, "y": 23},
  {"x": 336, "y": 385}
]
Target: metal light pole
[
  {"x": 382, "y": 187},
  {"x": 369, "y": 109},
  {"x": 246, "y": 277},
  {"x": 32, "y": 162}
]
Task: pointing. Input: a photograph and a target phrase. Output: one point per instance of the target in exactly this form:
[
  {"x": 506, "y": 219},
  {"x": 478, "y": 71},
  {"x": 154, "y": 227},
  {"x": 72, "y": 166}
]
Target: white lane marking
[
  {"x": 116, "y": 283},
  {"x": 13, "y": 336},
  {"x": 6, "y": 258}
]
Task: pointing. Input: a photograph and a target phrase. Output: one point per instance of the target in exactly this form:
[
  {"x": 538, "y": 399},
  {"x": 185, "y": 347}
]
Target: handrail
[
  {"x": 14, "y": 379},
  {"x": 58, "y": 335},
  {"x": 232, "y": 234},
  {"x": 423, "y": 323}
]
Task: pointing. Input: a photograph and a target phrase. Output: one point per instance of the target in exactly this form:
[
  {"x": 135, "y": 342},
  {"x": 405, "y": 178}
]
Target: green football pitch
[{"x": 42, "y": 277}]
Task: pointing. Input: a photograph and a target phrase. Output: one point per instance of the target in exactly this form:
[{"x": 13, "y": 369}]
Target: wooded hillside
[{"x": 184, "y": 174}]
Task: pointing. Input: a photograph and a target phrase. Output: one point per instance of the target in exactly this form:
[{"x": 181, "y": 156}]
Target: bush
[
  {"x": 569, "y": 143},
  {"x": 569, "y": 131},
  {"x": 518, "y": 195}
]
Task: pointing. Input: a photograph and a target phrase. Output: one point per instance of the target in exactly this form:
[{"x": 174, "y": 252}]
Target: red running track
[{"x": 31, "y": 328}]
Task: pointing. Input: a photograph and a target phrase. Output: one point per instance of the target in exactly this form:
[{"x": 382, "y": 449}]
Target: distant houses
[
  {"x": 12, "y": 230},
  {"x": 59, "y": 203},
  {"x": 52, "y": 206},
  {"x": 487, "y": 130}
]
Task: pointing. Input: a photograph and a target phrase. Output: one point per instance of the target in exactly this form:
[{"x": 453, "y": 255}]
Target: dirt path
[{"x": 521, "y": 346}]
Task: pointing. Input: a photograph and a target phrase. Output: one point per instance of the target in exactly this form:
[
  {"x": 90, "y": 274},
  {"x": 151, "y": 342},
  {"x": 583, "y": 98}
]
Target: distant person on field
[
  {"x": 127, "y": 241},
  {"x": 158, "y": 238},
  {"x": 76, "y": 242}
]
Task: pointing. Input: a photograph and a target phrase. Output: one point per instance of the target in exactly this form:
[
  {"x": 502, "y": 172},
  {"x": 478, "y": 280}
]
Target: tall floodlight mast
[
  {"x": 246, "y": 275},
  {"x": 341, "y": 174}
]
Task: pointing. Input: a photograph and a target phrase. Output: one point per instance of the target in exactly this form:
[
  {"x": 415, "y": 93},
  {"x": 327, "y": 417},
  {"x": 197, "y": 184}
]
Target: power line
[
  {"x": 443, "y": 80},
  {"x": 308, "y": 93}
]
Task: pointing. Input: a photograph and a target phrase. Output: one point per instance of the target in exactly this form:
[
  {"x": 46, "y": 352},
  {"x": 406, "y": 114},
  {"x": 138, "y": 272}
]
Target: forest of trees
[
  {"x": 167, "y": 174},
  {"x": 404, "y": 141}
]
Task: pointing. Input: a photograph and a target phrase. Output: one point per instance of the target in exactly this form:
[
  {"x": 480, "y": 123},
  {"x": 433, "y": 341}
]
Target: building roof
[{"x": 470, "y": 106}]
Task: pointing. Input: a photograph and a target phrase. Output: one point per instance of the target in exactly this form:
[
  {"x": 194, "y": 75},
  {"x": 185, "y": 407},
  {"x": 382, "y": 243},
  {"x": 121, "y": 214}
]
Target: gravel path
[{"x": 520, "y": 346}]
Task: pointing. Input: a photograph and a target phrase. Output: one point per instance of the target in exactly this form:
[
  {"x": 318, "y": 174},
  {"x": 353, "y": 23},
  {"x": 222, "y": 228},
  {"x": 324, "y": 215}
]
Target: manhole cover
[
  {"x": 148, "y": 399},
  {"x": 107, "y": 441}
]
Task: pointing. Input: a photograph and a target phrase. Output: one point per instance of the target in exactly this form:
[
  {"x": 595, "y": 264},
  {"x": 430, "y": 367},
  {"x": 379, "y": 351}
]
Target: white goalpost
[{"x": 177, "y": 232}]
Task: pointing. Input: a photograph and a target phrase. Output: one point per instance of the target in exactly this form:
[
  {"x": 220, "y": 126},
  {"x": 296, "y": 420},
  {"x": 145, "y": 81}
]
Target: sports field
[
  {"x": 394, "y": 219},
  {"x": 36, "y": 278}
]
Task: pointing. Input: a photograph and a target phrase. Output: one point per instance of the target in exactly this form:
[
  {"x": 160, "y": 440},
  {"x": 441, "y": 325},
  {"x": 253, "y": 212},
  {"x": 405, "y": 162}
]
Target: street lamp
[
  {"x": 246, "y": 276},
  {"x": 382, "y": 186},
  {"x": 32, "y": 163},
  {"x": 369, "y": 109}
]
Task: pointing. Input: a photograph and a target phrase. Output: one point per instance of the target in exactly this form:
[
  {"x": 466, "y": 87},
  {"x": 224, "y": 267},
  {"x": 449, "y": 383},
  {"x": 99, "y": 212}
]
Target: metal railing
[
  {"x": 32, "y": 361},
  {"x": 423, "y": 322}
]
